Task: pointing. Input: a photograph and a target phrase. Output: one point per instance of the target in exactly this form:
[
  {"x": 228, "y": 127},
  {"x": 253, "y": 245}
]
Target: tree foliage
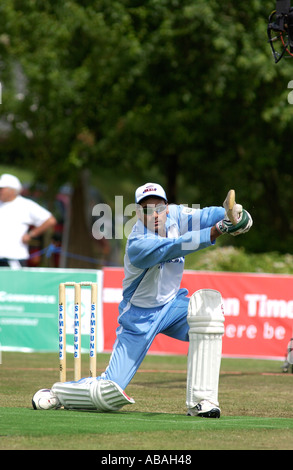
[{"x": 188, "y": 87}]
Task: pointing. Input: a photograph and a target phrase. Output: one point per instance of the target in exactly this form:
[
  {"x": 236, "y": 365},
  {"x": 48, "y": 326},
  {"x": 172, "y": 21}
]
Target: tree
[
  {"x": 72, "y": 55},
  {"x": 211, "y": 107},
  {"x": 186, "y": 87}
]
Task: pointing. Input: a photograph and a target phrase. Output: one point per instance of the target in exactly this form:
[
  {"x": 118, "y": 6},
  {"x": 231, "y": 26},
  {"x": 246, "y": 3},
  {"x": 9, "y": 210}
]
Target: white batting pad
[
  {"x": 91, "y": 394},
  {"x": 75, "y": 395},
  {"x": 206, "y": 321},
  {"x": 108, "y": 396}
]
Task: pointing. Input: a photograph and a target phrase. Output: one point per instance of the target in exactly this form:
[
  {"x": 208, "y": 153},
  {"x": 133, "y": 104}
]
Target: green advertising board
[{"x": 29, "y": 308}]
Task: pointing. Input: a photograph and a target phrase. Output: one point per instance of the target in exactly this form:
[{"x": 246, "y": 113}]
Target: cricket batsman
[{"x": 154, "y": 303}]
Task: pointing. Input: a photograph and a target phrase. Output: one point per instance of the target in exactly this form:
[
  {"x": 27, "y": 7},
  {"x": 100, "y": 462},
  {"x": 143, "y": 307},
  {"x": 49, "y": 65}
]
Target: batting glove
[{"x": 243, "y": 225}]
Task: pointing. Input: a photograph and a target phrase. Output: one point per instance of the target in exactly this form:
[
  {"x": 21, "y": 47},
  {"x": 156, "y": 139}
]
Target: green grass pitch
[{"x": 255, "y": 399}]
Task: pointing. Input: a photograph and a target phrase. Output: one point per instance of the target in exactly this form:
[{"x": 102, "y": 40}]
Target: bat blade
[{"x": 228, "y": 206}]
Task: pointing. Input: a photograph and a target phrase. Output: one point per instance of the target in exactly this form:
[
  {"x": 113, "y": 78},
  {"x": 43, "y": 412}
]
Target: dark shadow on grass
[{"x": 146, "y": 414}]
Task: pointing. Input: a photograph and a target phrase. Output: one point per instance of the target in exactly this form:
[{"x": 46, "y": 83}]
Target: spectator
[{"x": 17, "y": 216}]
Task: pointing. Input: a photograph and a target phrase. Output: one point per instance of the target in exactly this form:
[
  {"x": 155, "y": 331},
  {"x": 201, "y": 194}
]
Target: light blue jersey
[
  {"x": 153, "y": 265},
  {"x": 153, "y": 302}
]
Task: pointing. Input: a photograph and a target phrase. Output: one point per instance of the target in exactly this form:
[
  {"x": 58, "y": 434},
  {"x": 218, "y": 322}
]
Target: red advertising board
[{"x": 258, "y": 312}]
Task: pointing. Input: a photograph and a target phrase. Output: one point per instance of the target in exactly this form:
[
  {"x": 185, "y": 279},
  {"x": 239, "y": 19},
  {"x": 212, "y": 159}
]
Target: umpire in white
[{"x": 154, "y": 303}]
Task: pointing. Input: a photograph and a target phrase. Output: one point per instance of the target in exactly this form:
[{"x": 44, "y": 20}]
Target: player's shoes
[
  {"x": 205, "y": 409},
  {"x": 286, "y": 367}
]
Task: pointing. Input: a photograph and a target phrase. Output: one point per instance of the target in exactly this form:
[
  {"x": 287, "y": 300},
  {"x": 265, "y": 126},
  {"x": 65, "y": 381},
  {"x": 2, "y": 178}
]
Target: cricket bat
[{"x": 229, "y": 205}]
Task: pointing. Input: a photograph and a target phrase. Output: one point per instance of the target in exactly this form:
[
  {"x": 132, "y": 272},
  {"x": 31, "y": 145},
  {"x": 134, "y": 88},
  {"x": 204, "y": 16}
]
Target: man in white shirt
[{"x": 17, "y": 215}]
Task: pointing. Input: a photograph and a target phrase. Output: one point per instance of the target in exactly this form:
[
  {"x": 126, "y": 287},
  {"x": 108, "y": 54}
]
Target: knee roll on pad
[
  {"x": 206, "y": 313},
  {"x": 106, "y": 395}
]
